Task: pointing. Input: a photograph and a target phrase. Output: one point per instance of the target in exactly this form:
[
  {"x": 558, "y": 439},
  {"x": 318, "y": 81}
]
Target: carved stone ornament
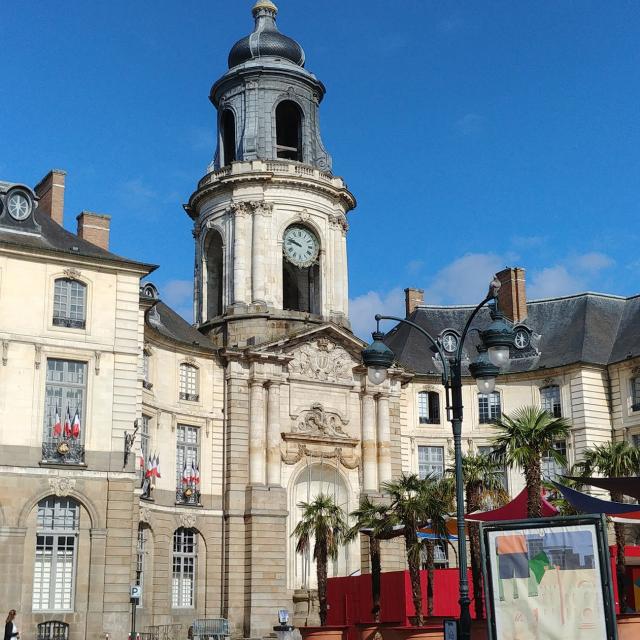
[
  {"x": 322, "y": 360},
  {"x": 5, "y": 352},
  {"x": 96, "y": 367},
  {"x": 262, "y": 208},
  {"x": 190, "y": 360},
  {"x": 303, "y": 451},
  {"x": 72, "y": 274},
  {"x": 304, "y": 215},
  {"x": 145, "y": 515},
  {"x": 548, "y": 382},
  {"x": 635, "y": 371},
  {"x": 239, "y": 208},
  {"x": 38, "y": 356},
  {"x": 62, "y": 486},
  {"x": 318, "y": 422},
  {"x": 187, "y": 520},
  {"x": 339, "y": 221}
]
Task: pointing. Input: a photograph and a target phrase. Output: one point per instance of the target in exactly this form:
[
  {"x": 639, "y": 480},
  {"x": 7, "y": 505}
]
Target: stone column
[
  {"x": 257, "y": 433},
  {"x": 369, "y": 453},
  {"x": 384, "y": 439},
  {"x": 261, "y": 211},
  {"x": 240, "y": 211},
  {"x": 273, "y": 435}
]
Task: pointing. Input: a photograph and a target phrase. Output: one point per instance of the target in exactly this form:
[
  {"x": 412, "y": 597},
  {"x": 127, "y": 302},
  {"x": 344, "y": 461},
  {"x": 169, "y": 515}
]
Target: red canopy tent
[{"x": 515, "y": 510}]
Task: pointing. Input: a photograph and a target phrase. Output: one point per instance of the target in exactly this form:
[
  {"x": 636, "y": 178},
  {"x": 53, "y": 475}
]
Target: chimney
[
  {"x": 50, "y": 191},
  {"x": 94, "y": 228},
  {"x": 412, "y": 299},
  {"x": 512, "y": 297}
]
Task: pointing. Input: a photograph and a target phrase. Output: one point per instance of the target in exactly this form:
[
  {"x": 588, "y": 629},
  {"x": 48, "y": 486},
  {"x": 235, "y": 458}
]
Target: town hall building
[{"x": 140, "y": 449}]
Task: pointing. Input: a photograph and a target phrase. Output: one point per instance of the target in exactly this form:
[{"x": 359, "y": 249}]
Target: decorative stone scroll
[
  {"x": 62, "y": 486},
  {"x": 72, "y": 274},
  {"x": 262, "y": 207},
  {"x": 322, "y": 360},
  {"x": 303, "y": 451},
  {"x": 339, "y": 220},
  {"x": 318, "y": 422}
]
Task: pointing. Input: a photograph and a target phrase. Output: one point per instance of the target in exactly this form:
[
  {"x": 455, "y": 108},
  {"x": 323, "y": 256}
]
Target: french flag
[
  {"x": 67, "y": 424},
  {"x": 75, "y": 427},
  {"x": 57, "y": 425}
]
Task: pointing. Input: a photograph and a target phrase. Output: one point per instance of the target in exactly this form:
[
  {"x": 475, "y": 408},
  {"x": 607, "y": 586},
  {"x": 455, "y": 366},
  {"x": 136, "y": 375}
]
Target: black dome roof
[{"x": 265, "y": 40}]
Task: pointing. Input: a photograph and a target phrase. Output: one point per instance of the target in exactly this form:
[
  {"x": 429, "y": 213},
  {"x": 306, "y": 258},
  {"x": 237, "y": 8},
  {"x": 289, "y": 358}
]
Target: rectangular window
[
  {"x": 187, "y": 465},
  {"x": 550, "y": 400},
  {"x": 140, "y": 556},
  {"x": 188, "y": 383},
  {"x": 54, "y": 568},
  {"x": 485, "y": 451},
  {"x": 64, "y": 412},
  {"x": 69, "y": 303},
  {"x": 428, "y": 407},
  {"x": 551, "y": 470},
  {"x": 184, "y": 568},
  {"x": 635, "y": 394},
  {"x": 489, "y": 407},
  {"x": 430, "y": 461},
  {"x": 144, "y": 445}
]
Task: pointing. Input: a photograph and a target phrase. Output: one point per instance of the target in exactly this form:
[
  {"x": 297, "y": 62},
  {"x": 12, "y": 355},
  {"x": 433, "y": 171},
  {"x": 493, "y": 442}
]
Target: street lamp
[{"x": 493, "y": 354}]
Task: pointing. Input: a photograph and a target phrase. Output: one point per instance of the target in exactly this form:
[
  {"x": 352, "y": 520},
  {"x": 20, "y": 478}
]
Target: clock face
[
  {"x": 18, "y": 205},
  {"x": 450, "y": 342},
  {"x": 521, "y": 339},
  {"x": 301, "y": 246}
]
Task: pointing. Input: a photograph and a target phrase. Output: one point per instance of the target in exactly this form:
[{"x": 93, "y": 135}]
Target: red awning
[{"x": 515, "y": 510}]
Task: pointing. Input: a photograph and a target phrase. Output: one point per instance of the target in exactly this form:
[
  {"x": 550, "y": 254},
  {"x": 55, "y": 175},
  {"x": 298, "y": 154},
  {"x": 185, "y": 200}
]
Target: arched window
[
  {"x": 185, "y": 556},
  {"x": 301, "y": 270},
  {"x": 189, "y": 382},
  {"x": 550, "y": 400},
  {"x": 288, "y": 131},
  {"x": 228, "y": 125},
  {"x": 53, "y": 630},
  {"x": 215, "y": 280},
  {"x": 313, "y": 480},
  {"x": 428, "y": 407},
  {"x": 69, "y": 303},
  {"x": 489, "y": 407},
  {"x": 58, "y": 523}
]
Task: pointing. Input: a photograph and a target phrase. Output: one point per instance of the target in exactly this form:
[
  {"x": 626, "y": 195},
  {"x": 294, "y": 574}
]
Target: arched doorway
[
  {"x": 311, "y": 481},
  {"x": 288, "y": 131}
]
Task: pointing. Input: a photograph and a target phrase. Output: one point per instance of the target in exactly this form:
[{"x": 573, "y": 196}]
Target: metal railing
[{"x": 162, "y": 632}]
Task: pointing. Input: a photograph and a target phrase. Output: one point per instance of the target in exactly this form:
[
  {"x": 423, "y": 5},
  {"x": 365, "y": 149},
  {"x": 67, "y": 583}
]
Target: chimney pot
[
  {"x": 94, "y": 228},
  {"x": 512, "y": 297},
  {"x": 50, "y": 191},
  {"x": 412, "y": 298}
]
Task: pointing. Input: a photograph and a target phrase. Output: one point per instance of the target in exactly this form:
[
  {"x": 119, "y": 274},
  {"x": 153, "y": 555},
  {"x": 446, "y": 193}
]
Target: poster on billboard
[{"x": 548, "y": 579}]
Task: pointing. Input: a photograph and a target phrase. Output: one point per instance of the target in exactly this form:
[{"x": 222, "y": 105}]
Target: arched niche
[
  {"x": 228, "y": 134},
  {"x": 214, "y": 256},
  {"x": 289, "y": 131},
  {"x": 301, "y": 279}
]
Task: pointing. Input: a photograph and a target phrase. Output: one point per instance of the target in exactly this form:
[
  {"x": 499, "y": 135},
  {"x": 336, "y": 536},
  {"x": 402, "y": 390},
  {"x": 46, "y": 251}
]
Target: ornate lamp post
[{"x": 493, "y": 354}]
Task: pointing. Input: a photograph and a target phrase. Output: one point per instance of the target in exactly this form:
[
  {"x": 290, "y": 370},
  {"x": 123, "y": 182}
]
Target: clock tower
[{"x": 269, "y": 216}]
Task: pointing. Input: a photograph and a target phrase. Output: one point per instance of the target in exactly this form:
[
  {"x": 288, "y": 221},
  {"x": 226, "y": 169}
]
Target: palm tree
[
  {"x": 324, "y": 522},
  {"x": 613, "y": 460},
  {"x": 374, "y": 518},
  {"x": 483, "y": 485},
  {"x": 438, "y": 501},
  {"x": 523, "y": 439},
  {"x": 408, "y": 510}
]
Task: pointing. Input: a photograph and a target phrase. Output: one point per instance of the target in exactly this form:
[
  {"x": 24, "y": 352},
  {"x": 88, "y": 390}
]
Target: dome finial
[{"x": 266, "y": 5}]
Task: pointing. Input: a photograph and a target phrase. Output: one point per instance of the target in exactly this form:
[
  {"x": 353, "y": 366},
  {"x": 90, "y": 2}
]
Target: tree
[
  {"x": 523, "y": 439},
  {"x": 483, "y": 485},
  {"x": 613, "y": 460},
  {"x": 375, "y": 519},
  {"x": 409, "y": 506},
  {"x": 324, "y": 523}
]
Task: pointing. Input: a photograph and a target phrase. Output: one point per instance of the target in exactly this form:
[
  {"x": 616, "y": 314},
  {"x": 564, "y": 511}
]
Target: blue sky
[{"x": 475, "y": 135}]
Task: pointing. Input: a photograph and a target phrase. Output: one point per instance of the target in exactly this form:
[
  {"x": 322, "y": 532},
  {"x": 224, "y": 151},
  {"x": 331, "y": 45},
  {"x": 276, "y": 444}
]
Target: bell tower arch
[{"x": 277, "y": 259}]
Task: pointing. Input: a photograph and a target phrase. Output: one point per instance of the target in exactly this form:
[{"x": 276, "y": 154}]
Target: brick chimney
[
  {"x": 512, "y": 297},
  {"x": 412, "y": 299},
  {"x": 94, "y": 228},
  {"x": 50, "y": 190}
]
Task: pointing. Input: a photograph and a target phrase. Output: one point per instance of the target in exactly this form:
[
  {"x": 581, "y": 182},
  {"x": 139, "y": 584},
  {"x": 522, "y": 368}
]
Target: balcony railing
[
  {"x": 63, "y": 451},
  {"x": 147, "y": 385},
  {"x": 193, "y": 397},
  {"x": 188, "y": 495},
  {"x": 59, "y": 321}
]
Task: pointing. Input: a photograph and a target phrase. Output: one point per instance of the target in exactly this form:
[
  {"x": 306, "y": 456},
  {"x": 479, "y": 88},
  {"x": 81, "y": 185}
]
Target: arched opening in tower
[
  {"x": 215, "y": 272},
  {"x": 289, "y": 131},
  {"x": 301, "y": 287},
  {"x": 228, "y": 125}
]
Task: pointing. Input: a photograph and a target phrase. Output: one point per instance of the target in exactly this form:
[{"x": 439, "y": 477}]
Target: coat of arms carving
[
  {"x": 322, "y": 360},
  {"x": 318, "y": 422}
]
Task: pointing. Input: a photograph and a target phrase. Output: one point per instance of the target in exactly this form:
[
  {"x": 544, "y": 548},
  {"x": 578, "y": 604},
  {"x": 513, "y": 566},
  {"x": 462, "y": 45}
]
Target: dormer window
[
  {"x": 69, "y": 303},
  {"x": 189, "y": 382},
  {"x": 288, "y": 131}
]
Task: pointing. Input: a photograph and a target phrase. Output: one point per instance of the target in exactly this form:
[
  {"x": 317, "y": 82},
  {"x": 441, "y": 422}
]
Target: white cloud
[
  {"x": 470, "y": 124},
  {"x": 593, "y": 262},
  {"x": 465, "y": 280},
  {"x": 363, "y": 309},
  {"x": 413, "y": 266},
  {"x": 178, "y": 294}
]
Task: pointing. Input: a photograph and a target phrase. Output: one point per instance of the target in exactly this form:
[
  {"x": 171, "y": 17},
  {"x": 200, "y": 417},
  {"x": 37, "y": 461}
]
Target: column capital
[
  {"x": 256, "y": 382},
  {"x": 240, "y": 209},
  {"x": 262, "y": 207}
]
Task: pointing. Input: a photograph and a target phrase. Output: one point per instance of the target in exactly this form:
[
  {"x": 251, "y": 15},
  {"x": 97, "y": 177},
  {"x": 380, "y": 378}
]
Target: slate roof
[
  {"x": 589, "y": 327},
  {"x": 173, "y": 326},
  {"x": 54, "y": 238}
]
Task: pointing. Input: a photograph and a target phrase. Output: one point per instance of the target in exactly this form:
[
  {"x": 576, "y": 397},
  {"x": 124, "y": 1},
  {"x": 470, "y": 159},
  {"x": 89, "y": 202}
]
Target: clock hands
[{"x": 294, "y": 242}]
